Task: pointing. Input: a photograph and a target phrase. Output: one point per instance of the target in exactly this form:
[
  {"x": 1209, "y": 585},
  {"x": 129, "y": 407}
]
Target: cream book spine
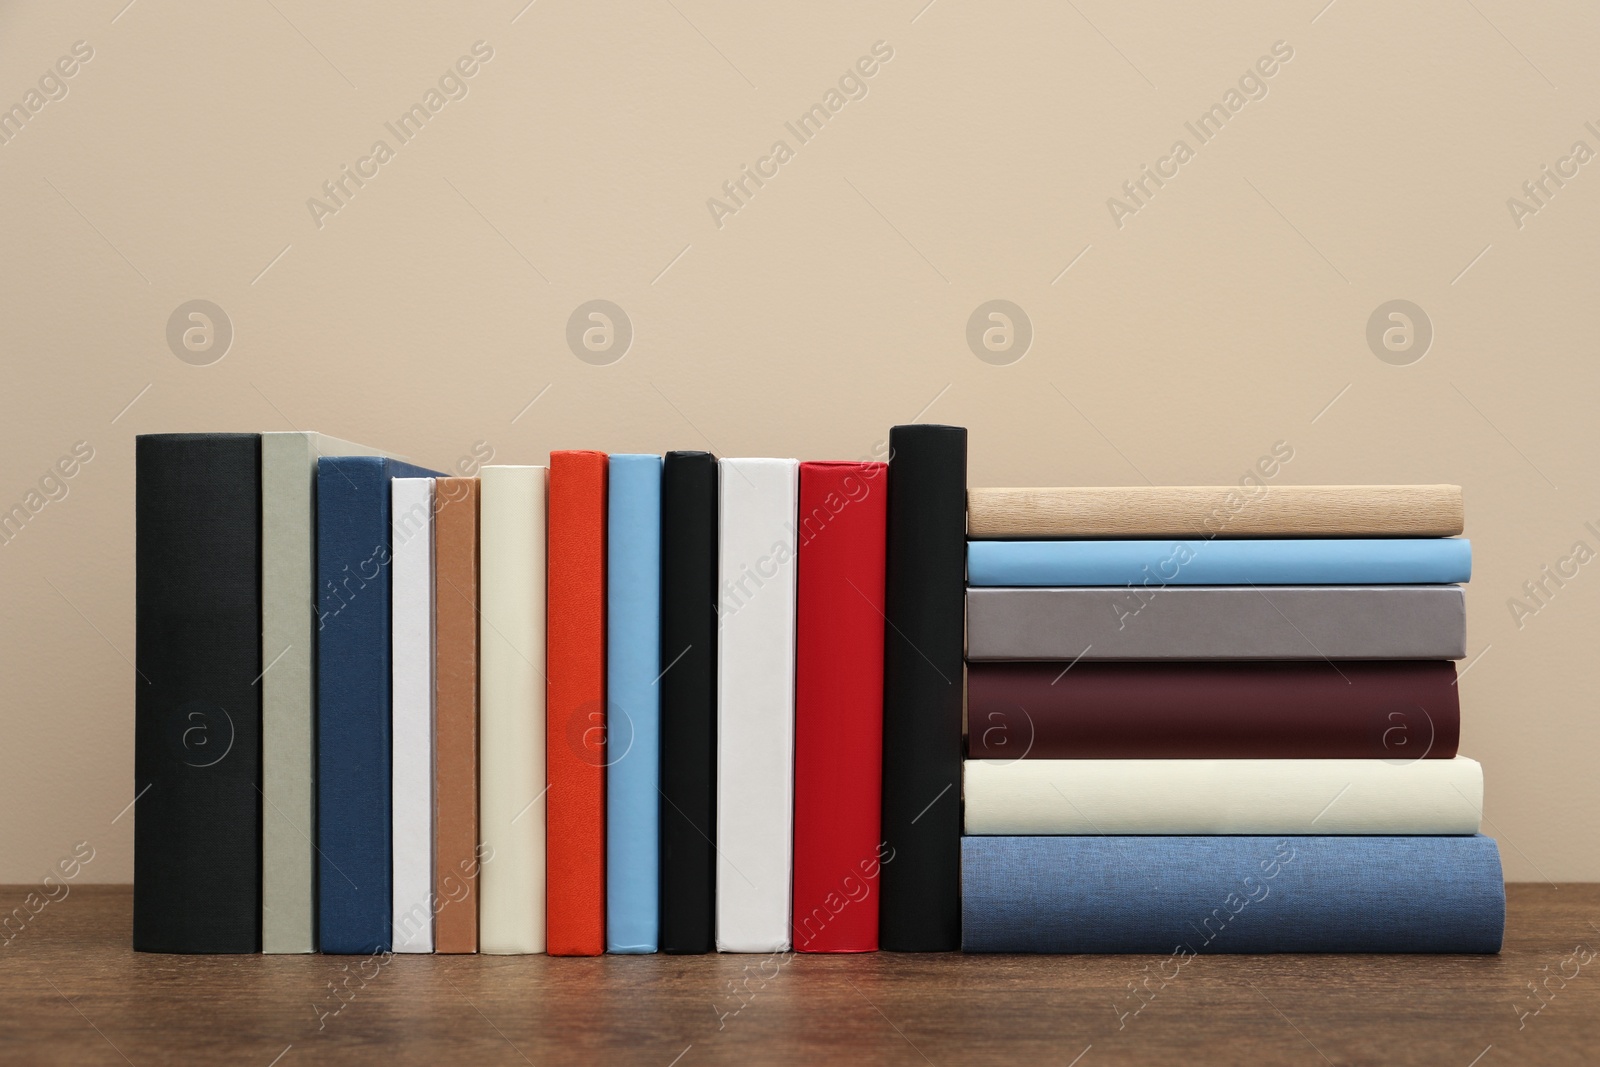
[
  {"x": 511, "y": 742},
  {"x": 1223, "y": 796}
]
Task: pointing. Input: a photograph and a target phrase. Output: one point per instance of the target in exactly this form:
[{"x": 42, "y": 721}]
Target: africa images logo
[
  {"x": 599, "y": 734},
  {"x": 199, "y": 332},
  {"x": 204, "y": 733}
]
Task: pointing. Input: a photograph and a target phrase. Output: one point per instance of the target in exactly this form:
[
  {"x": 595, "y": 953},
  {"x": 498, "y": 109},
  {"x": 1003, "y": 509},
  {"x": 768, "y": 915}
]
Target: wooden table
[{"x": 72, "y": 991}]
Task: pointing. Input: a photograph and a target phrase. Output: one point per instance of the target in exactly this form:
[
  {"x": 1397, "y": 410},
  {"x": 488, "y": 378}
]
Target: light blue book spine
[
  {"x": 1343, "y": 561},
  {"x": 633, "y": 732},
  {"x": 1191, "y": 895}
]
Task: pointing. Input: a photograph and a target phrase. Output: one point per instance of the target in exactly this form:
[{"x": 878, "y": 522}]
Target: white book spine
[
  {"x": 755, "y": 703},
  {"x": 411, "y": 711},
  {"x": 1223, "y": 796},
  {"x": 511, "y": 719}
]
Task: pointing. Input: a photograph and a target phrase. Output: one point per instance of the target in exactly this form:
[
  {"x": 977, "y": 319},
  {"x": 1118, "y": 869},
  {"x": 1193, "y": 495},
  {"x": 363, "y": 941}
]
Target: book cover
[
  {"x": 633, "y": 724},
  {"x": 1302, "y": 561},
  {"x": 288, "y": 685},
  {"x": 688, "y": 701},
  {"x": 756, "y": 544},
  {"x": 1230, "y": 894},
  {"x": 513, "y": 786},
  {"x": 411, "y": 712},
  {"x": 920, "y": 906},
  {"x": 1217, "y": 622},
  {"x": 1196, "y": 709},
  {"x": 1254, "y": 508},
  {"x": 838, "y": 715},
  {"x": 576, "y": 732},
  {"x": 1224, "y": 796},
  {"x": 197, "y": 708},
  {"x": 455, "y": 702},
  {"x": 354, "y": 689}
]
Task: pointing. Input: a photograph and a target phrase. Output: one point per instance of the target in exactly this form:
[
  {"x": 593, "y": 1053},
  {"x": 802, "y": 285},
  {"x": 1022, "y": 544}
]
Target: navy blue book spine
[
  {"x": 1192, "y": 895},
  {"x": 354, "y": 866}
]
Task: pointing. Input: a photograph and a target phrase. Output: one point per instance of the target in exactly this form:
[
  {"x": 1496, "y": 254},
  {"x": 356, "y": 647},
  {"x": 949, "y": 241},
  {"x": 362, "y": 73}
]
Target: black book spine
[
  {"x": 688, "y": 701},
  {"x": 197, "y": 712},
  {"x": 924, "y": 605}
]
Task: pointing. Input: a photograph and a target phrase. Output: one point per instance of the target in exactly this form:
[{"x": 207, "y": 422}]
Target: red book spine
[
  {"x": 838, "y": 743},
  {"x": 1351, "y": 709},
  {"x": 576, "y": 706}
]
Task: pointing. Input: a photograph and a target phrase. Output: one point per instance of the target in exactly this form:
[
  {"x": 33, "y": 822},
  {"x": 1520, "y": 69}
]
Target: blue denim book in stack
[{"x": 1221, "y": 719}]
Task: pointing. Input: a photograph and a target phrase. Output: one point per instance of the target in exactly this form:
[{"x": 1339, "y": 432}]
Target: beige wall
[{"x": 1223, "y": 316}]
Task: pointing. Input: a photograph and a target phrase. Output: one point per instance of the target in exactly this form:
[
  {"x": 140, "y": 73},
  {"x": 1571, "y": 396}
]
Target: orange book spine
[{"x": 576, "y": 724}]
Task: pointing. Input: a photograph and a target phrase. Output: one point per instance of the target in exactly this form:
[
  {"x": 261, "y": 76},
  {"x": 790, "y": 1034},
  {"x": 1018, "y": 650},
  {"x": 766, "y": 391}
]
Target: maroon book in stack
[{"x": 1352, "y": 709}]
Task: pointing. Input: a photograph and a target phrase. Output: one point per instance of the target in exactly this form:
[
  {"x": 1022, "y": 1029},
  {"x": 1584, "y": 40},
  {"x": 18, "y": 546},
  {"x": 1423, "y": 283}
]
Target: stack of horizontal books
[{"x": 1221, "y": 720}]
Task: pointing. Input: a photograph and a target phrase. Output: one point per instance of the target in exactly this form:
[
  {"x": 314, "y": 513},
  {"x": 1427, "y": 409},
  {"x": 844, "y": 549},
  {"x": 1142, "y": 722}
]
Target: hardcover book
[
  {"x": 1217, "y": 622},
  {"x": 1230, "y": 894},
  {"x": 920, "y": 907},
  {"x": 688, "y": 701},
  {"x": 1252, "y": 509},
  {"x": 1224, "y": 796},
  {"x": 838, "y": 728},
  {"x": 633, "y": 727},
  {"x": 511, "y": 740},
  {"x": 1303, "y": 561},
  {"x": 755, "y": 703},
  {"x": 288, "y": 686},
  {"x": 411, "y": 715},
  {"x": 1183, "y": 709},
  {"x": 354, "y": 689},
  {"x": 455, "y": 702},
  {"x": 576, "y": 733},
  {"x": 197, "y": 708}
]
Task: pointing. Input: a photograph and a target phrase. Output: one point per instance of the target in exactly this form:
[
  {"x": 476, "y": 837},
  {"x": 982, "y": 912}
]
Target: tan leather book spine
[
  {"x": 456, "y": 715},
  {"x": 1216, "y": 511}
]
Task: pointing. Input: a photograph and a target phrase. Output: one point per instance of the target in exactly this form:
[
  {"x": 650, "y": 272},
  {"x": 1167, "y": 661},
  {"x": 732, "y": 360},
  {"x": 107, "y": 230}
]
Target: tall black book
[
  {"x": 688, "y": 690},
  {"x": 924, "y": 603},
  {"x": 197, "y": 713}
]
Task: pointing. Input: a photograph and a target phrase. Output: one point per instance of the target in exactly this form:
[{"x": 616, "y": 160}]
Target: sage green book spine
[{"x": 288, "y": 684}]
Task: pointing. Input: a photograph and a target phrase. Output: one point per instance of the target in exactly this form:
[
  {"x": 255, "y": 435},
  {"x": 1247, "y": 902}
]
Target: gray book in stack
[{"x": 1217, "y": 622}]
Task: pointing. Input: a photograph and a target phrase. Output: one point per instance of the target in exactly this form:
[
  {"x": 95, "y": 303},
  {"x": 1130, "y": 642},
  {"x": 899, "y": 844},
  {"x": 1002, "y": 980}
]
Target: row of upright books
[
  {"x": 621, "y": 703},
  {"x": 635, "y": 703}
]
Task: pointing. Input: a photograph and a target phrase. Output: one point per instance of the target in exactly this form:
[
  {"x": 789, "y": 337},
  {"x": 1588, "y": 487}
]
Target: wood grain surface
[
  {"x": 1257, "y": 510},
  {"x": 74, "y": 992}
]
